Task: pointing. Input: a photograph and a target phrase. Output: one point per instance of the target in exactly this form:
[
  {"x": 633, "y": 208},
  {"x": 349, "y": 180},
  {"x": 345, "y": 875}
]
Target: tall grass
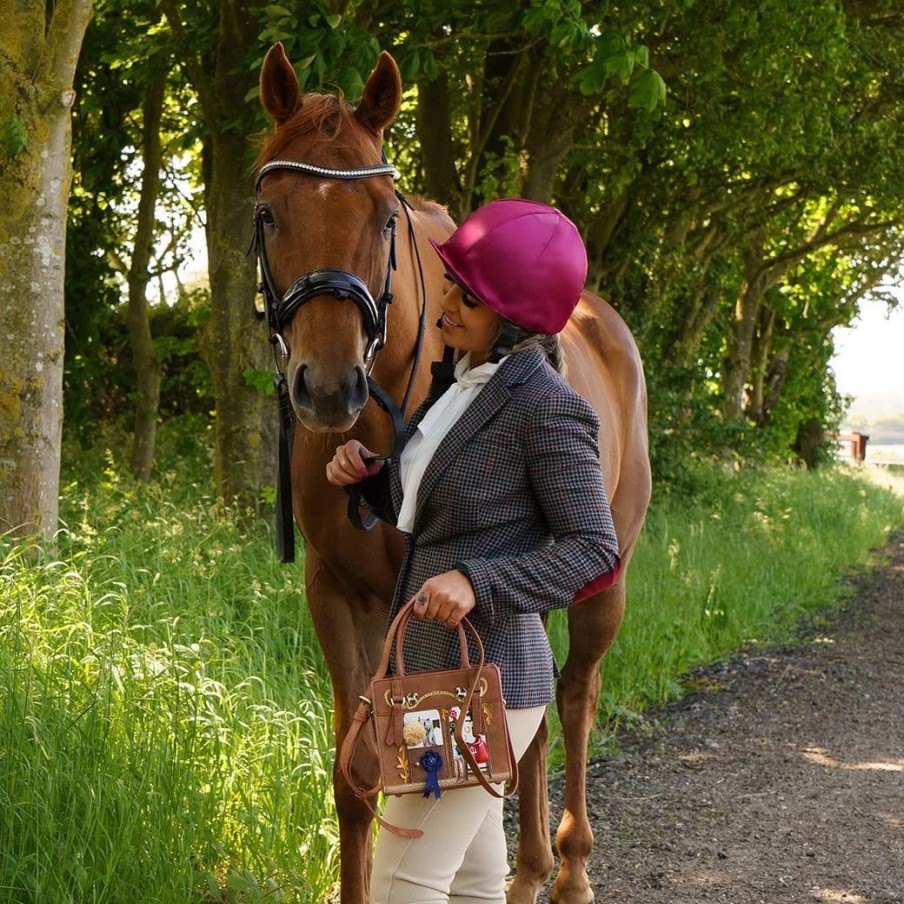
[
  {"x": 165, "y": 714},
  {"x": 743, "y": 562}
]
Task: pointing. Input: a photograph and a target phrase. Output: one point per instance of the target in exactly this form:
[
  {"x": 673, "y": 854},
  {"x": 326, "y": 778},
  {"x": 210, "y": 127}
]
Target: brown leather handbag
[{"x": 433, "y": 731}]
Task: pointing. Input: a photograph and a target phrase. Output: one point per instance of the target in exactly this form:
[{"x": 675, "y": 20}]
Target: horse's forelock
[{"x": 326, "y": 115}]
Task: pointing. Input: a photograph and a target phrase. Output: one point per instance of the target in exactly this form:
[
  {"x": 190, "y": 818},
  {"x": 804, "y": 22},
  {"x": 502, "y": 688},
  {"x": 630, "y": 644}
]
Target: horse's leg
[
  {"x": 535, "y": 861},
  {"x": 592, "y": 626},
  {"x": 350, "y": 634}
]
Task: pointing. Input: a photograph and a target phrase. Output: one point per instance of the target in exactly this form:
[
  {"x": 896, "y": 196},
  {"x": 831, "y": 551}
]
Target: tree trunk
[
  {"x": 236, "y": 343},
  {"x": 736, "y": 364},
  {"x": 37, "y": 68},
  {"x": 761, "y": 350},
  {"x": 433, "y": 126},
  {"x": 549, "y": 141},
  {"x": 147, "y": 365}
]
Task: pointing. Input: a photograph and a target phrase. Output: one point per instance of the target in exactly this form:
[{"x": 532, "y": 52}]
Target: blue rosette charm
[{"x": 431, "y": 762}]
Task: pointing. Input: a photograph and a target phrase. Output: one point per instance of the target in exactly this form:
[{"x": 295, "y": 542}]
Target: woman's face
[{"x": 467, "y": 325}]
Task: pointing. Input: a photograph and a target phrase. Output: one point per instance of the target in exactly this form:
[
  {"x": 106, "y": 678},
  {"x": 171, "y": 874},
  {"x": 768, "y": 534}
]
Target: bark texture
[
  {"x": 37, "y": 68},
  {"x": 147, "y": 365},
  {"x": 245, "y": 426}
]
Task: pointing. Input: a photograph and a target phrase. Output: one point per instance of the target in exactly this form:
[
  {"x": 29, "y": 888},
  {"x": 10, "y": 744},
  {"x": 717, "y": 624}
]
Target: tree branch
[
  {"x": 64, "y": 41},
  {"x": 856, "y": 229}
]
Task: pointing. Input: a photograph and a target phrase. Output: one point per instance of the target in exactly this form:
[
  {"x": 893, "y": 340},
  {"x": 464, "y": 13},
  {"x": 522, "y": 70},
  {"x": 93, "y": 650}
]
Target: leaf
[
  {"x": 647, "y": 92},
  {"x": 333, "y": 20},
  {"x": 13, "y": 137},
  {"x": 562, "y": 34},
  {"x": 590, "y": 79},
  {"x": 611, "y": 43},
  {"x": 618, "y": 61}
]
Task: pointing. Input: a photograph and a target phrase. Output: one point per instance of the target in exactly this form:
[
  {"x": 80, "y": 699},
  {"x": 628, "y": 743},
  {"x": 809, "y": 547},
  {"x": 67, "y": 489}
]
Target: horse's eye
[
  {"x": 265, "y": 215},
  {"x": 391, "y": 222}
]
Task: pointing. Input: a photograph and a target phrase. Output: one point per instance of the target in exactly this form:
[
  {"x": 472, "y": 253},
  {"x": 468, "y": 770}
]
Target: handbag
[{"x": 432, "y": 731}]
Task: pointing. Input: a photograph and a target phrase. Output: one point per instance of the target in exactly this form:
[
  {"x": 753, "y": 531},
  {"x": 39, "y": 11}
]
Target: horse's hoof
[
  {"x": 522, "y": 891},
  {"x": 572, "y": 891}
]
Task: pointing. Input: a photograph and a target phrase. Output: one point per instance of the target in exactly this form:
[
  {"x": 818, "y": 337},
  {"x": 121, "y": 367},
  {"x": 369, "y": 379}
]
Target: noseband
[{"x": 280, "y": 309}]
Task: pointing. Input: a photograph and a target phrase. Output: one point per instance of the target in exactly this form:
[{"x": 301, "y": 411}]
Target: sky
[{"x": 869, "y": 358}]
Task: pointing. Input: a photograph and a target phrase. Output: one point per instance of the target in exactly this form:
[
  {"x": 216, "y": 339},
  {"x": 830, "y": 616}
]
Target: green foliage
[
  {"x": 733, "y": 167},
  {"x": 328, "y": 49},
  {"x": 122, "y": 52},
  {"x": 100, "y": 372}
]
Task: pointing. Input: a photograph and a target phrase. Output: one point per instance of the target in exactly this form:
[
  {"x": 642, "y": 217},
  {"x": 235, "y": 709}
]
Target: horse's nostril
[
  {"x": 358, "y": 397},
  {"x": 301, "y": 395}
]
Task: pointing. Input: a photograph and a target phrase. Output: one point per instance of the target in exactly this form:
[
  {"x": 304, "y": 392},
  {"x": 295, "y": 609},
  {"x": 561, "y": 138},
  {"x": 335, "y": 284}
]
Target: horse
[{"x": 333, "y": 234}]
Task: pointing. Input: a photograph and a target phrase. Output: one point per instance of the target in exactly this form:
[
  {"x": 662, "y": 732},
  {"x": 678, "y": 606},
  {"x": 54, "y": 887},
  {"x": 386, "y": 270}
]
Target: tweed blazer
[{"x": 513, "y": 498}]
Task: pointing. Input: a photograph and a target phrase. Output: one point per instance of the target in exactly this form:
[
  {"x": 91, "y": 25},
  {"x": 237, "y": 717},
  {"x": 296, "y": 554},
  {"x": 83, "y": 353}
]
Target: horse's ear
[
  {"x": 382, "y": 95},
  {"x": 279, "y": 85}
]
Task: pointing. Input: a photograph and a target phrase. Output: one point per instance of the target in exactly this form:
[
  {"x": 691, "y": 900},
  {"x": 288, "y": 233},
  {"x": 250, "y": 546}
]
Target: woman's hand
[
  {"x": 445, "y": 598},
  {"x": 348, "y": 465}
]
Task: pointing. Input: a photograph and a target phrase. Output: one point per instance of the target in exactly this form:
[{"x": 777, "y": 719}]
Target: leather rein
[{"x": 280, "y": 308}]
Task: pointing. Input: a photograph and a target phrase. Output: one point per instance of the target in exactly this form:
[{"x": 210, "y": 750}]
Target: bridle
[{"x": 279, "y": 310}]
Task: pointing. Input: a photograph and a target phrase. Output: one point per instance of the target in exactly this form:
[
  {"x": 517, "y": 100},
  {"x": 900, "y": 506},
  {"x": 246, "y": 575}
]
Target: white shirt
[{"x": 436, "y": 423}]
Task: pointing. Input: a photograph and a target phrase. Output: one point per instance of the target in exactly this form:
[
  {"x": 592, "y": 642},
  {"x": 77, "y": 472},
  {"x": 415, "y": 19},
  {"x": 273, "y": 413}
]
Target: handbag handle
[
  {"x": 399, "y": 637},
  {"x": 398, "y": 628}
]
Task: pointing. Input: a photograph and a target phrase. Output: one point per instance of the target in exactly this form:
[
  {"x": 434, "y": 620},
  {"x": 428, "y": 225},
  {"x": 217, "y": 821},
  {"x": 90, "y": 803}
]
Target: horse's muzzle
[{"x": 329, "y": 403}]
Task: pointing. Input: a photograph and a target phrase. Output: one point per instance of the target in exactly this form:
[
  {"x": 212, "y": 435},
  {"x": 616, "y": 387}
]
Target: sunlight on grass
[{"x": 165, "y": 715}]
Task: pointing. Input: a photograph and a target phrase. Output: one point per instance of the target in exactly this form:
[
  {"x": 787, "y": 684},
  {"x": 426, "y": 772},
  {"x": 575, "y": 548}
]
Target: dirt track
[{"x": 782, "y": 780}]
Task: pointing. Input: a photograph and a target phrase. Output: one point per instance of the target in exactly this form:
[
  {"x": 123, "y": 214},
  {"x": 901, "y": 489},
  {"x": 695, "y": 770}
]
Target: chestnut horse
[{"x": 337, "y": 213}]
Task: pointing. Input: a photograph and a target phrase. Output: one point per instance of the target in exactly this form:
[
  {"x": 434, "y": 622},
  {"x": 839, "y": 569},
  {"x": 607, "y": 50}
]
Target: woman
[{"x": 500, "y": 495}]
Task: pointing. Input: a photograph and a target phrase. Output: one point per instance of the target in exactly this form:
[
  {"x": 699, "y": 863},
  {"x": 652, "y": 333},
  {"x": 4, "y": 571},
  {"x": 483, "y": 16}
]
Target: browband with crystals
[{"x": 361, "y": 172}]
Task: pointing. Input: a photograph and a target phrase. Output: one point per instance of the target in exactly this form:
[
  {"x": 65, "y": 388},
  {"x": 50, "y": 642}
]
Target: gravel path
[{"x": 782, "y": 780}]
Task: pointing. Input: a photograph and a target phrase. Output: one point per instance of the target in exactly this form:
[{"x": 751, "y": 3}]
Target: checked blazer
[{"x": 514, "y": 498}]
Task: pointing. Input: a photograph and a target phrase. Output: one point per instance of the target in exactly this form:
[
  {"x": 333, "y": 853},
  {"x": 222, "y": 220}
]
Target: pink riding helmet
[{"x": 525, "y": 261}]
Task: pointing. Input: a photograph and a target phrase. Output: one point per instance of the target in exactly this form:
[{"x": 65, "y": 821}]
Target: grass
[
  {"x": 164, "y": 710},
  {"x": 743, "y": 563},
  {"x": 165, "y": 720}
]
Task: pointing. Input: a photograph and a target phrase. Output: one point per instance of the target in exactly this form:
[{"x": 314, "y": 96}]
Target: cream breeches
[{"x": 461, "y": 857}]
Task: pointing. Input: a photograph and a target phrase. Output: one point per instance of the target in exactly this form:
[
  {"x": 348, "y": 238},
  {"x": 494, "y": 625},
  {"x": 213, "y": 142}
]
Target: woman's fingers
[
  {"x": 446, "y": 598},
  {"x": 351, "y": 463}
]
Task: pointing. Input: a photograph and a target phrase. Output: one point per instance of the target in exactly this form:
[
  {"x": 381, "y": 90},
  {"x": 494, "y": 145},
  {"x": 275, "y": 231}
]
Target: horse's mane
[{"x": 325, "y": 114}]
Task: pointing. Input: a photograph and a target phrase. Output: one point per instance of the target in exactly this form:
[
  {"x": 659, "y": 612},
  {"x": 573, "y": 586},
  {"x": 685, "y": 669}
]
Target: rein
[{"x": 279, "y": 310}]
